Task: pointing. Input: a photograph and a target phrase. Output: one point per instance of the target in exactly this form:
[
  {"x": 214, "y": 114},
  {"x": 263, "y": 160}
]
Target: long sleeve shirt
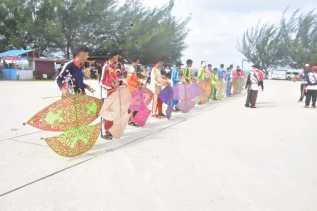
[
  {"x": 109, "y": 77},
  {"x": 72, "y": 75},
  {"x": 187, "y": 75},
  {"x": 175, "y": 76},
  {"x": 201, "y": 74}
]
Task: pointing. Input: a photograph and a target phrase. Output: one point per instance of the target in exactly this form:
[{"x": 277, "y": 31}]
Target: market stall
[{"x": 17, "y": 64}]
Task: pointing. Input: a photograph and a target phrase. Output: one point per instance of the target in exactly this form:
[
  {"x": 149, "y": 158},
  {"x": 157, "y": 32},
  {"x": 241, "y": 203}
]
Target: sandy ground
[{"x": 221, "y": 156}]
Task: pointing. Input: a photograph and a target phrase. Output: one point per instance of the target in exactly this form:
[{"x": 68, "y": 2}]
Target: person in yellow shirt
[{"x": 187, "y": 72}]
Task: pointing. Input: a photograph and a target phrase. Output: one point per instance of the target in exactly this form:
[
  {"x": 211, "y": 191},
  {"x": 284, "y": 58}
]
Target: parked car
[{"x": 278, "y": 75}]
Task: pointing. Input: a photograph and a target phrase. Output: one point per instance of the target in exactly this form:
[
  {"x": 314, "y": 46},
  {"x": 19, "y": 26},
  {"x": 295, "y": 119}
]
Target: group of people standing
[{"x": 218, "y": 81}]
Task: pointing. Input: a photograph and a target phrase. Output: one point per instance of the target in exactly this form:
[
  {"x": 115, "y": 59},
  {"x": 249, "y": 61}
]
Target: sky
[{"x": 217, "y": 26}]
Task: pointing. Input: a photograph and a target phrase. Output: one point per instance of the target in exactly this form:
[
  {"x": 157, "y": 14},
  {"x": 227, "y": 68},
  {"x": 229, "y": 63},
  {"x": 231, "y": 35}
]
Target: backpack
[{"x": 311, "y": 79}]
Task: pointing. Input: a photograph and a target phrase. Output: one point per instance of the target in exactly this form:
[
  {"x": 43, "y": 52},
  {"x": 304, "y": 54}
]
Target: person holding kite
[
  {"x": 110, "y": 80},
  {"x": 141, "y": 96},
  {"x": 156, "y": 84},
  {"x": 204, "y": 83},
  {"x": 71, "y": 78}
]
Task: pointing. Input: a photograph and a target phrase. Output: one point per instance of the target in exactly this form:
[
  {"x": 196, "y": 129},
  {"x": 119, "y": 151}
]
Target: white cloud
[{"x": 217, "y": 26}]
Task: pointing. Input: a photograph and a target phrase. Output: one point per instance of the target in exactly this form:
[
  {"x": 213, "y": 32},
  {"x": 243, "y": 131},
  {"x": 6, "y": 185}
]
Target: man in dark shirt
[{"x": 71, "y": 78}]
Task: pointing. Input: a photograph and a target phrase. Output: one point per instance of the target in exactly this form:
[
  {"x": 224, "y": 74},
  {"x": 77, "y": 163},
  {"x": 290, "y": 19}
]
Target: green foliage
[
  {"x": 293, "y": 42},
  {"x": 258, "y": 45},
  {"x": 103, "y": 26}
]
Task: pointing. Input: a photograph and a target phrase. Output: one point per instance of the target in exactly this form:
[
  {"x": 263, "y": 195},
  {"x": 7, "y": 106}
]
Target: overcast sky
[{"x": 217, "y": 26}]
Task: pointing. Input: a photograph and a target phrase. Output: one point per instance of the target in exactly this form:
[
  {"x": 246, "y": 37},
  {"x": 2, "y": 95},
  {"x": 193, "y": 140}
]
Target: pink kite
[{"x": 141, "y": 98}]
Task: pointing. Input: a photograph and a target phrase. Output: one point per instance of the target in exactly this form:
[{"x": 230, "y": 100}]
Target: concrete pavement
[{"x": 219, "y": 157}]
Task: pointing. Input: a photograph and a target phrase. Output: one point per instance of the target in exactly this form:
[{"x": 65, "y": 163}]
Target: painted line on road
[
  {"x": 208, "y": 107},
  {"x": 43, "y": 178},
  {"x": 22, "y": 135},
  {"x": 26, "y": 142},
  {"x": 86, "y": 160}
]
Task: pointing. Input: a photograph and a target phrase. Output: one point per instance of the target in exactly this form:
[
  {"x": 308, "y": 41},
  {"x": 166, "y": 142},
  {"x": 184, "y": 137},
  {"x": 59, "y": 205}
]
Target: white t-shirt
[
  {"x": 155, "y": 74},
  {"x": 131, "y": 69},
  {"x": 254, "y": 82}
]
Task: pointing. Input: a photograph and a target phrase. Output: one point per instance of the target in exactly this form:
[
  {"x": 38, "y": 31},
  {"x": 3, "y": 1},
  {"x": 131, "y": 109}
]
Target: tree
[
  {"x": 150, "y": 33},
  {"x": 302, "y": 38},
  {"x": 258, "y": 45},
  {"x": 291, "y": 43},
  {"x": 61, "y": 25}
]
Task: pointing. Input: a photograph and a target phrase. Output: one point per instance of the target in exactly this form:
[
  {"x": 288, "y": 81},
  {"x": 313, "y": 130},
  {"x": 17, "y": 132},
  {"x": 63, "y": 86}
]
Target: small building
[
  {"x": 17, "y": 64},
  {"x": 46, "y": 68}
]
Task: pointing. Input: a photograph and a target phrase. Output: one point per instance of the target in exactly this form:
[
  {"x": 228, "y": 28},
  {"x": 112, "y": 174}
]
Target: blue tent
[{"x": 14, "y": 53}]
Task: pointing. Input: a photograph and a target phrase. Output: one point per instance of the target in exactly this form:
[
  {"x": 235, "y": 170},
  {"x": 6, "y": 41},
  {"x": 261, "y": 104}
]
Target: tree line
[
  {"x": 292, "y": 42},
  {"x": 104, "y": 26}
]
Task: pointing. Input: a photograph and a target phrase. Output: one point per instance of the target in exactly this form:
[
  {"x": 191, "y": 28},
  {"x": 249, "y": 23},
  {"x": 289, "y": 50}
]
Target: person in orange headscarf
[{"x": 132, "y": 79}]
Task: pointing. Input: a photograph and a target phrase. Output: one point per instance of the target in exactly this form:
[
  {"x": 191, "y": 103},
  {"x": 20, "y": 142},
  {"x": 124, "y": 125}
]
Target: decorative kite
[
  {"x": 75, "y": 141},
  {"x": 141, "y": 98},
  {"x": 72, "y": 115},
  {"x": 167, "y": 97},
  {"x": 186, "y": 95},
  {"x": 116, "y": 109},
  {"x": 206, "y": 91}
]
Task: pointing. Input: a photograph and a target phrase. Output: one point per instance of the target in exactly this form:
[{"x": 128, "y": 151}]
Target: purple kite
[
  {"x": 167, "y": 97},
  {"x": 186, "y": 94}
]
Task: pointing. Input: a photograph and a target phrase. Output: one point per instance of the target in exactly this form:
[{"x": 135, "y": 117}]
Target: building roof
[{"x": 14, "y": 53}]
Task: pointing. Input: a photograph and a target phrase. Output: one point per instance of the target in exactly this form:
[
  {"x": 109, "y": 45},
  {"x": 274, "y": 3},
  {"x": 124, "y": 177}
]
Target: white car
[{"x": 279, "y": 75}]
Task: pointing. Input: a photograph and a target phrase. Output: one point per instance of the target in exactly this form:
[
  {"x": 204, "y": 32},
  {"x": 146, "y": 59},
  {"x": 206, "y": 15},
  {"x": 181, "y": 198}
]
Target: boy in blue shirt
[{"x": 71, "y": 78}]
